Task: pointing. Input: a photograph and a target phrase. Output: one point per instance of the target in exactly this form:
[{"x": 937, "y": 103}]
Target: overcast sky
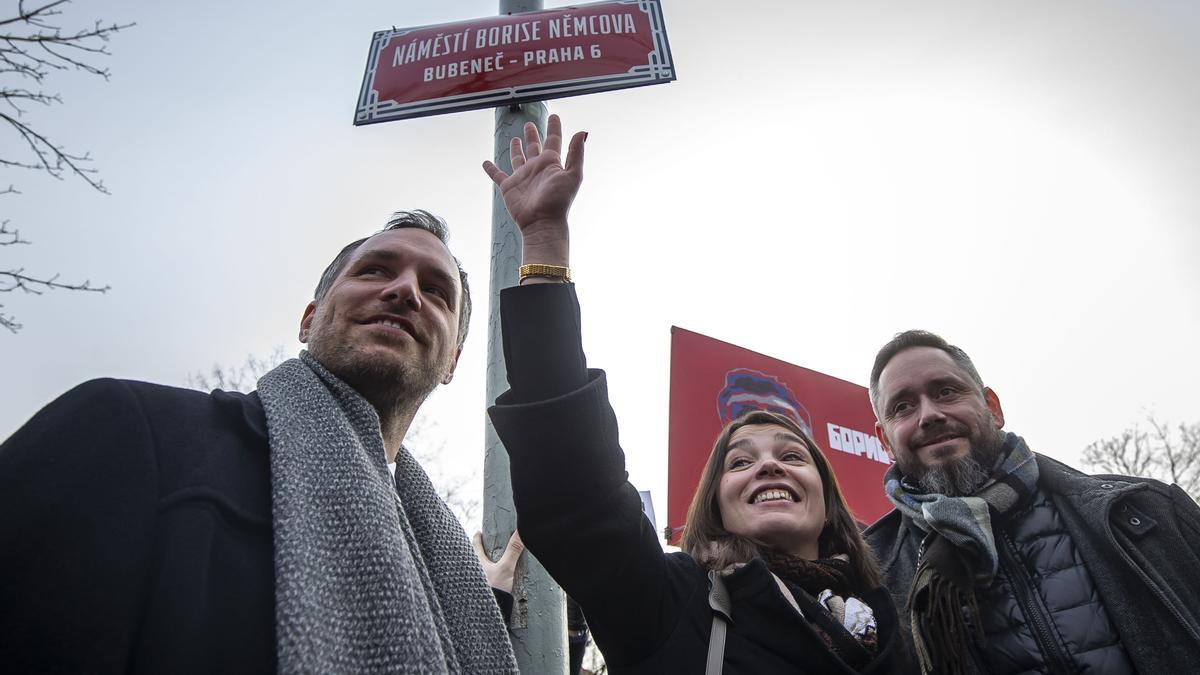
[{"x": 1021, "y": 177}]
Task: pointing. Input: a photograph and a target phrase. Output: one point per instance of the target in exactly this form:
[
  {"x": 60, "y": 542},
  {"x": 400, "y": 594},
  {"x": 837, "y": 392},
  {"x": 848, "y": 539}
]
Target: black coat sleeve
[
  {"x": 504, "y": 600},
  {"x": 576, "y": 510},
  {"x": 77, "y": 506}
]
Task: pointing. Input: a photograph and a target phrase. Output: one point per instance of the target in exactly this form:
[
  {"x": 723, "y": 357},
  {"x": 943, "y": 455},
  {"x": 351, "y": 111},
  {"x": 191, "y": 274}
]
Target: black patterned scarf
[{"x": 845, "y": 623}]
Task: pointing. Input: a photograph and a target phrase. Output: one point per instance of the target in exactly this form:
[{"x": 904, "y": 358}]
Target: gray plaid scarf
[
  {"x": 371, "y": 575},
  {"x": 958, "y": 554}
]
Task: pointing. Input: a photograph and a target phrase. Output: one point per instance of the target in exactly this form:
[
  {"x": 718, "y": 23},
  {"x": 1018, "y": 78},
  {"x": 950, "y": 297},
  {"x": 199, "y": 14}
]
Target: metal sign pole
[{"x": 538, "y": 628}]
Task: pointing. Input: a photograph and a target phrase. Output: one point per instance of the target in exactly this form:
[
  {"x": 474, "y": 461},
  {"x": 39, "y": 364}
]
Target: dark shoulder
[
  {"x": 215, "y": 441},
  {"x": 171, "y": 410},
  {"x": 684, "y": 563},
  {"x": 1061, "y": 478},
  {"x": 157, "y": 396},
  {"x": 1074, "y": 489},
  {"x": 95, "y": 408},
  {"x": 93, "y": 443},
  {"x": 109, "y": 394},
  {"x": 887, "y": 539},
  {"x": 688, "y": 578},
  {"x": 103, "y": 396},
  {"x": 884, "y": 529},
  {"x": 110, "y": 417}
]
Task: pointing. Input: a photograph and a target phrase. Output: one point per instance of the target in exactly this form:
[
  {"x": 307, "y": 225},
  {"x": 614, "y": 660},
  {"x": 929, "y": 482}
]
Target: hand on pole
[
  {"x": 539, "y": 192},
  {"x": 500, "y": 574}
]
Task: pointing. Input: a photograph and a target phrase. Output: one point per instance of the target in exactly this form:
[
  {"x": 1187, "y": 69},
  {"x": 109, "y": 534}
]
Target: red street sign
[
  {"x": 713, "y": 382},
  {"x": 503, "y": 60}
]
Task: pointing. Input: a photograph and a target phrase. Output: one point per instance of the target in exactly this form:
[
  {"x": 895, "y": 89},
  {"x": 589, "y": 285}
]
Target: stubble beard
[
  {"x": 960, "y": 477},
  {"x": 389, "y": 385}
]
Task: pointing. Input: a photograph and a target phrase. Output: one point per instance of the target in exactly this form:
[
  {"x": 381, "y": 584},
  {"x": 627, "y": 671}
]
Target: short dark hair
[
  {"x": 918, "y": 338},
  {"x": 400, "y": 220},
  {"x": 713, "y": 547}
]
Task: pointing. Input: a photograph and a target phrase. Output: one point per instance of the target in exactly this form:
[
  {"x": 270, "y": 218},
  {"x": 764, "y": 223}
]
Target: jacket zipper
[{"x": 1038, "y": 620}]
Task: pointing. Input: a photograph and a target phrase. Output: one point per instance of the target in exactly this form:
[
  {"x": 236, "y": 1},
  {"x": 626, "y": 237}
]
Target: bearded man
[
  {"x": 148, "y": 529},
  {"x": 1007, "y": 561}
]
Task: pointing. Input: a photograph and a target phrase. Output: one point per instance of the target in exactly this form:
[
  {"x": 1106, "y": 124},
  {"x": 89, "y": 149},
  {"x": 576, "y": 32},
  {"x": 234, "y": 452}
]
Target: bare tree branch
[
  {"x": 33, "y": 45},
  {"x": 8, "y": 322},
  {"x": 237, "y": 378},
  {"x": 51, "y": 158},
  {"x": 57, "y": 51},
  {"x": 1179, "y": 461},
  {"x": 10, "y": 237},
  {"x": 33, "y": 16},
  {"x": 1170, "y": 454},
  {"x": 14, "y": 280},
  {"x": 429, "y": 449},
  {"x": 1189, "y": 439},
  {"x": 1126, "y": 453}
]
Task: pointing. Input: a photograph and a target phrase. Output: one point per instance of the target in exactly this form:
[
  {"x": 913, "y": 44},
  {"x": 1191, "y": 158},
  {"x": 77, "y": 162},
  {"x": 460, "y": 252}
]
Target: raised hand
[{"x": 540, "y": 189}]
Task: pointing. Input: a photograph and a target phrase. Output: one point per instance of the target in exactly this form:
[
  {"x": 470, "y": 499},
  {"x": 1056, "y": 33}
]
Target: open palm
[{"x": 540, "y": 189}]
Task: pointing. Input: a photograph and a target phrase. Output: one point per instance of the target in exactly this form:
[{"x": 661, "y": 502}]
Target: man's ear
[
  {"x": 883, "y": 439},
  {"x": 993, "y": 406},
  {"x": 453, "y": 365},
  {"x": 306, "y": 321}
]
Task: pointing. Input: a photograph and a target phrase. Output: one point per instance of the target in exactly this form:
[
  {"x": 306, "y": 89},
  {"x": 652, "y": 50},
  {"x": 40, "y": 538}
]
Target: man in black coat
[
  {"x": 1007, "y": 561},
  {"x": 140, "y": 526}
]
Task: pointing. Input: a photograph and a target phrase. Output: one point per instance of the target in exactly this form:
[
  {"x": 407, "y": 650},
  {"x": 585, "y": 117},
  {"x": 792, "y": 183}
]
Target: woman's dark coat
[{"x": 579, "y": 515}]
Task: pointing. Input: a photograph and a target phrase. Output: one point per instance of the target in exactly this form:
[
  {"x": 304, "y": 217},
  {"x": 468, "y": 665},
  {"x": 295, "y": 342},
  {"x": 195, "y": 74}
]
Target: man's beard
[
  {"x": 960, "y": 477},
  {"x": 386, "y": 384},
  {"x": 957, "y": 478}
]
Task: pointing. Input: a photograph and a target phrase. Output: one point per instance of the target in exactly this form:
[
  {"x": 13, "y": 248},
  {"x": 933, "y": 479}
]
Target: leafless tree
[
  {"x": 427, "y": 446},
  {"x": 422, "y": 440},
  {"x": 1168, "y": 453},
  {"x": 33, "y": 46},
  {"x": 237, "y": 378}
]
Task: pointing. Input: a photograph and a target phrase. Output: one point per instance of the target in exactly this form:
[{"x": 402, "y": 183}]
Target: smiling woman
[
  {"x": 737, "y": 511},
  {"x": 775, "y": 577}
]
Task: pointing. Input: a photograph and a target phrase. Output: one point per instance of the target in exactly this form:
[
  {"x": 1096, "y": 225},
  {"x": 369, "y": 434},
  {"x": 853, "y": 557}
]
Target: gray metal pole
[{"x": 539, "y": 627}]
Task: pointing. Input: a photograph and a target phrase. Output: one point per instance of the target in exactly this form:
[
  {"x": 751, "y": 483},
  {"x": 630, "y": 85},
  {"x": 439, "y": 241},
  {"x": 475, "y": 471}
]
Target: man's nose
[
  {"x": 404, "y": 288},
  {"x": 930, "y": 413}
]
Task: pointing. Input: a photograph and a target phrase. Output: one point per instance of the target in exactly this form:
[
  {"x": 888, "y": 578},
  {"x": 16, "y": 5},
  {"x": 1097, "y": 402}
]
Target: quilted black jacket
[{"x": 1129, "y": 545}]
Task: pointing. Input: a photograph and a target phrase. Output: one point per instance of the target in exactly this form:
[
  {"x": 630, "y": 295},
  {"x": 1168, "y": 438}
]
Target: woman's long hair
[{"x": 706, "y": 539}]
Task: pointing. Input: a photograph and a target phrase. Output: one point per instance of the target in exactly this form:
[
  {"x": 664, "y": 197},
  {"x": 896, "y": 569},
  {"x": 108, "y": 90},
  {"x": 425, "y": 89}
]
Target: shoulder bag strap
[{"x": 718, "y": 599}]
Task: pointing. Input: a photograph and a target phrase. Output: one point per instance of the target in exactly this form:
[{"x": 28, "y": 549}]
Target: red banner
[
  {"x": 504, "y": 60},
  {"x": 712, "y": 382}
]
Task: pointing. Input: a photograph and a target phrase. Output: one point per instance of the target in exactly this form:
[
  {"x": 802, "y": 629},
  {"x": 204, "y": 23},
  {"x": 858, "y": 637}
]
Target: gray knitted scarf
[{"x": 371, "y": 575}]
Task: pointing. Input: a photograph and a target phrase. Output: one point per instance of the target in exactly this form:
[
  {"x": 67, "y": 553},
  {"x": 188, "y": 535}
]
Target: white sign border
[{"x": 659, "y": 69}]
